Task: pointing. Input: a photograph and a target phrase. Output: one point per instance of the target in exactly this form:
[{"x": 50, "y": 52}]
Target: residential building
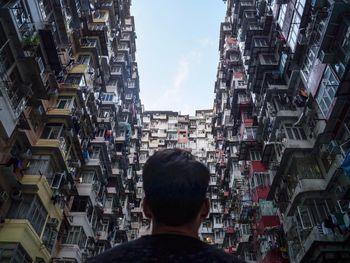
[
  {"x": 282, "y": 110},
  {"x": 70, "y": 128},
  {"x": 168, "y": 129}
]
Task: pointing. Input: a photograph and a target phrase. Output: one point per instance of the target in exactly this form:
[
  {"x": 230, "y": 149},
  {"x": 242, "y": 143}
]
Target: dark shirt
[{"x": 164, "y": 248}]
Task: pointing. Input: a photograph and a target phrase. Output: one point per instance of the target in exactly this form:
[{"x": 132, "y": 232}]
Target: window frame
[
  {"x": 76, "y": 236},
  {"x": 326, "y": 91}
]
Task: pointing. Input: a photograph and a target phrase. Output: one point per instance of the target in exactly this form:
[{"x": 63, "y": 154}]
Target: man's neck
[{"x": 185, "y": 230}]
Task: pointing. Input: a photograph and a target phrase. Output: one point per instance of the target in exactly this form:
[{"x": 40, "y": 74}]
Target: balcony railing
[{"x": 16, "y": 103}]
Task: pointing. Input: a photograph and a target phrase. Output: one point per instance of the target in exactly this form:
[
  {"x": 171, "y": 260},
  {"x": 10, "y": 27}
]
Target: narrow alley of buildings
[{"x": 74, "y": 135}]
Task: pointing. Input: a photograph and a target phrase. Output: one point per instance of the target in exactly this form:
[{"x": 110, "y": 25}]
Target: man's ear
[
  {"x": 205, "y": 209},
  {"x": 146, "y": 209}
]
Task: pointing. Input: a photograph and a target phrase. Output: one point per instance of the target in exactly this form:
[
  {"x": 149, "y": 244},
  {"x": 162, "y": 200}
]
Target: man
[{"x": 175, "y": 186}]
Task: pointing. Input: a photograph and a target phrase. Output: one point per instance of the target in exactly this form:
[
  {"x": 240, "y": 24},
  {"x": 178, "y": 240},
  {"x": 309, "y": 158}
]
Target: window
[
  {"x": 283, "y": 62},
  {"x": 243, "y": 98},
  {"x": 43, "y": 7},
  {"x": 107, "y": 96},
  {"x": 220, "y": 235},
  {"x": 88, "y": 177},
  {"x": 13, "y": 253},
  {"x": 6, "y": 56},
  {"x": 95, "y": 153},
  {"x": 49, "y": 237},
  {"x": 245, "y": 229},
  {"x": 109, "y": 202},
  {"x": 255, "y": 156},
  {"x": 81, "y": 204},
  {"x": 112, "y": 82},
  {"x": 64, "y": 102},
  {"x": 75, "y": 80},
  {"x": 128, "y": 96},
  {"x": 20, "y": 14},
  {"x": 120, "y": 57},
  {"x": 249, "y": 133},
  {"x": 30, "y": 208},
  {"x": 305, "y": 217},
  {"x": 52, "y": 131},
  {"x": 300, "y": 5},
  {"x": 262, "y": 179},
  {"x": 41, "y": 66},
  {"x": 327, "y": 90},
  {"x": 101, "y": 132},
  {"x": 41, "y": 164},
  {"x": 260, "y": 42},
  {"x": 76, "y": 236},
  {"x": 294, "y": 31},
  {"x": 309, "y": 60},
  {"x": 346, "y": 42},
  {"x": 58, "y": 180},
  {"x": 269, "y": 59},
  {"x": 307, "y": 169},
  {"x": 294, "y": 133},
  {"x": 339, "y": 69},
  {"x": 83, "y": 59},
  {"x": 282, "y": 15},
  {"x": 99, "y": 248}
]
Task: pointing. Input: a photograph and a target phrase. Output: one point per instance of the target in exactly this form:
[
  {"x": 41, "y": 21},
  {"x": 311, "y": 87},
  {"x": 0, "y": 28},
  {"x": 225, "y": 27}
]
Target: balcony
[
  {"x": 218, "y": 225},
  {"x": 260, "y": 192},
  {"x": 35, "y": 184},
  {"x": 20, "y": 230},
  {"x": 205, "y": 230},
  {"x": 93, "y": 162},
  {"x": 57, "y": 112},
  {"x": 267, "y": 222},
  {"x": 121, "y": 137},
  {"x": 70, "y": 251},
  {"x": 11, "y": 108},
  {"x": 58, "y": 145},
  {"x": 159, "y": 116},
  {"x": 135, "y": 225},
  {"x": 32, "y": 66},
  {"x": 85, "y": 189},
  {"x": 102, "y": 235},
  {"x": 285, "y": 146},
  {"x": 329, "y": 241},
  {"x": 137, "y": 209},
  {"x": 312, "y": 186},
  {"x": 219, "y": 240},
  {"x": 81, "y": 219}
]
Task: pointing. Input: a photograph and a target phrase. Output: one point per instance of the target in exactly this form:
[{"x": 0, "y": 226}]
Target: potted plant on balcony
[{"x": 31, "y": 40}]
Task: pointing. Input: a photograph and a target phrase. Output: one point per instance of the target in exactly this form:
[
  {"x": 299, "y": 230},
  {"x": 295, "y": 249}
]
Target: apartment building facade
[
  {"x": 282, "y": 109},
  {"x": 70, "y": 128},
  {"x": 168, "y": 129}
]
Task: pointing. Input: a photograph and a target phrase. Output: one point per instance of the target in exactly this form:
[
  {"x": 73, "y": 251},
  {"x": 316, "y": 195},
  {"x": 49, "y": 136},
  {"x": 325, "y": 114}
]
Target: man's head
[{"x": 175, "y": 187}]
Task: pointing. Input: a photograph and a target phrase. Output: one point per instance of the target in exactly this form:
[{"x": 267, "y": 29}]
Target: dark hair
[{"x": 175, "y": 185}]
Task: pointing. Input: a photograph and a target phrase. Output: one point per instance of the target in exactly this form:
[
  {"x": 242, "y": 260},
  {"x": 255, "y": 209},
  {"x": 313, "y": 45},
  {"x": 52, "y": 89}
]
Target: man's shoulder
[
  {"x": 164, "y": 249},
  {"x": 121, "y": 251},
  {"x": 219, "y": 255}
]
